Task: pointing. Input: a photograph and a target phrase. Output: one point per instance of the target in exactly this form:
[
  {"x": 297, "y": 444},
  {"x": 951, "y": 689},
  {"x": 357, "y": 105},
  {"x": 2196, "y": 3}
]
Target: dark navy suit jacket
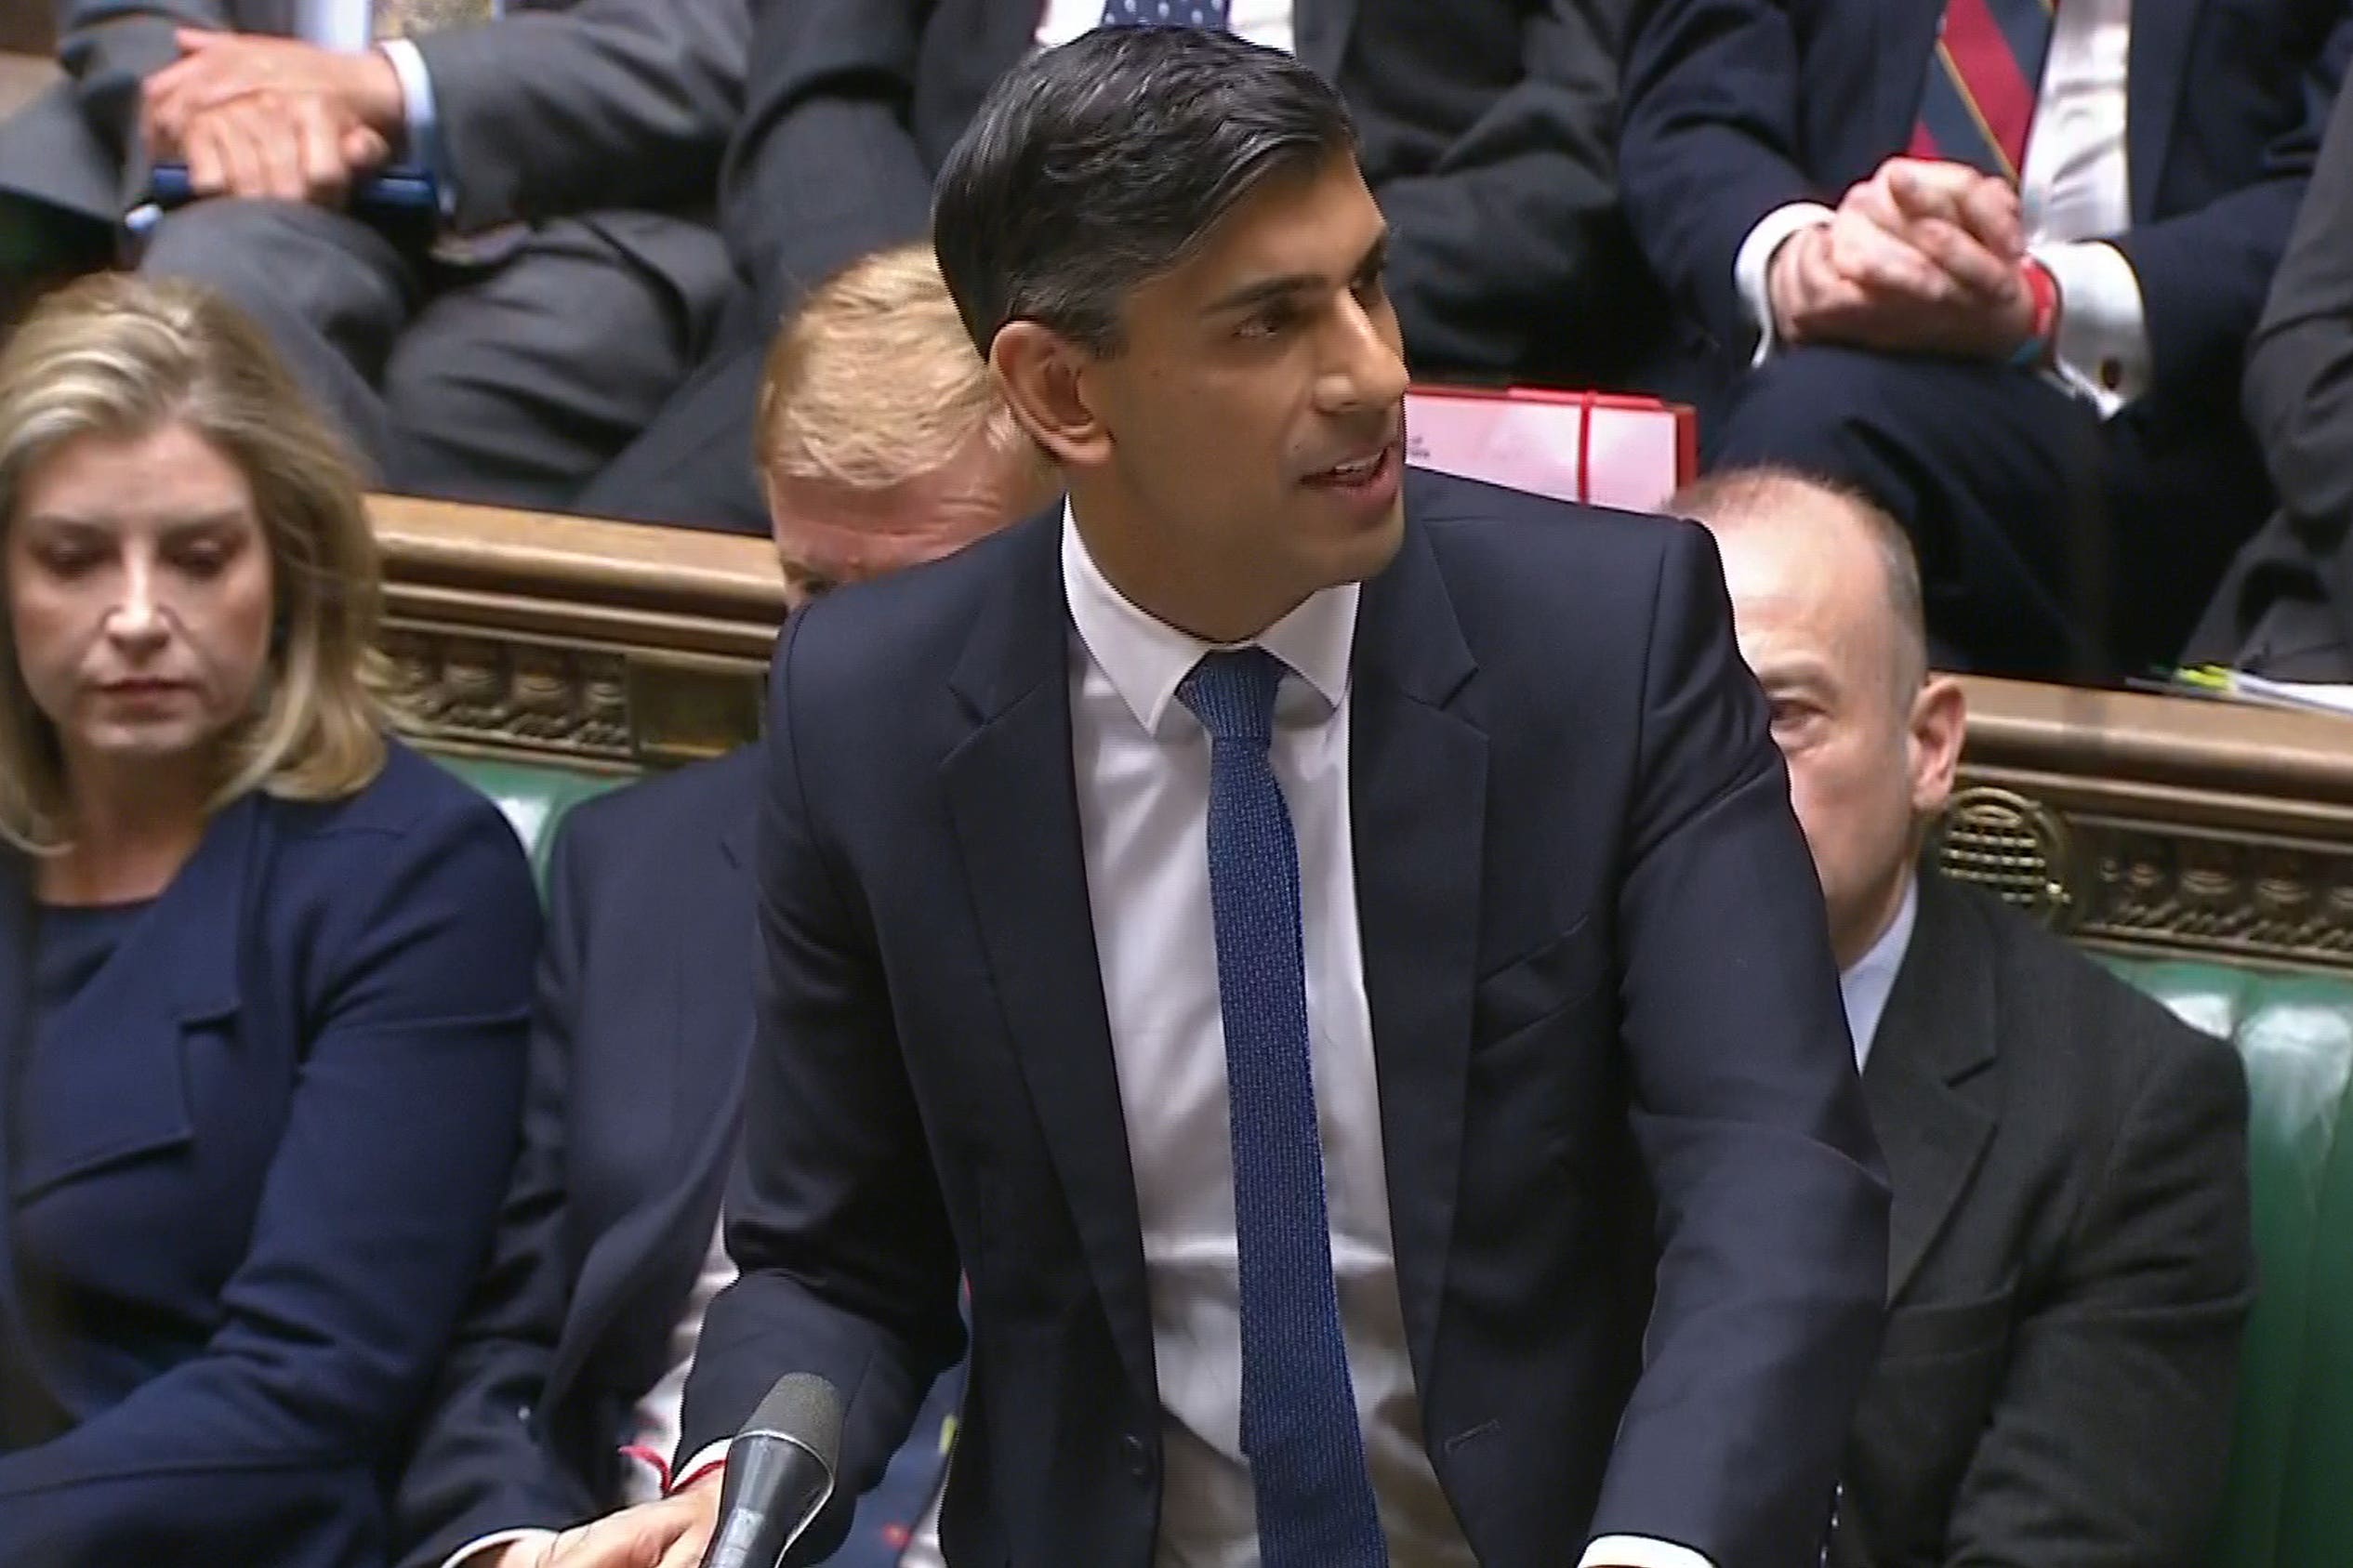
[
  {"x": 642, "y": 1026},
  {"x": 244, "y": 1223},
  {"x": 1736, "y": 107},
  {"x": 1595, "y": 954}
]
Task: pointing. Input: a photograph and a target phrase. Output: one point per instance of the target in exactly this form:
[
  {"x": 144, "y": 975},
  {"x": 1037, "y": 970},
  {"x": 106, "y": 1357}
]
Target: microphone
[{"x": 780, "y": 1472}]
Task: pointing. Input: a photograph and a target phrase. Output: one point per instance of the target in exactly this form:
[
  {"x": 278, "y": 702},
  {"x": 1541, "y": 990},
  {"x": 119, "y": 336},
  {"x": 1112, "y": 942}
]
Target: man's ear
[
  {"x": 1043, "y": 375},
  {"x": 1939, "y": 723}
]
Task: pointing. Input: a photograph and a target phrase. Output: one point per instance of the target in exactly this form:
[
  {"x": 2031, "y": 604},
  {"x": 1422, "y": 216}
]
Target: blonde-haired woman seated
[{"x": 264, "y": 973}]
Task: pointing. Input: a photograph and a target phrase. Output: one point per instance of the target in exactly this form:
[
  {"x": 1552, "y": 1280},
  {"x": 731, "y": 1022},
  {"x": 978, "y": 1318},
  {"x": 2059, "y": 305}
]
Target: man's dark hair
[{"x": 1102, "y": 165}]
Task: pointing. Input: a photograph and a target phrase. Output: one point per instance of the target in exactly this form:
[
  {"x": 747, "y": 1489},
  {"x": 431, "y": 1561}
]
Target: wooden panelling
[{"x": 610, "y": 644}]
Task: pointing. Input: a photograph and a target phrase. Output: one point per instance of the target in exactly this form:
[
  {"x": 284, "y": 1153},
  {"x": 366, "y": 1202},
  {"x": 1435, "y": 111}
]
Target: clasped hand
[
  {"x": 1922, "y": 258},
  {"x": 271, "y": 118}
]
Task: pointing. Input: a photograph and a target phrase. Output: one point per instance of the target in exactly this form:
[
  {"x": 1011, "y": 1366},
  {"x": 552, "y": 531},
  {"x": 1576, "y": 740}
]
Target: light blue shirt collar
[{"x": 1865, "y": 986}]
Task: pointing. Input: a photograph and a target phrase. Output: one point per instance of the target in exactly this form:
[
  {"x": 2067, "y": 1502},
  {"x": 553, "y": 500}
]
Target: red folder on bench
[{"x": 1601, "y": 447}]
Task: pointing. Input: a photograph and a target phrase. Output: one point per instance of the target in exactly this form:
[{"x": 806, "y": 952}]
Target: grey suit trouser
[{"x": 509, "y": 384}]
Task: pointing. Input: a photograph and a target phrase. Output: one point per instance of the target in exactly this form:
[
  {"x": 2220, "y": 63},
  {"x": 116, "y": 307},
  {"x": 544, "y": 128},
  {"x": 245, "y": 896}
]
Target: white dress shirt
[
  {"x": 2074, "y": 194},
  {"x": 1142, "y": 764},
  {"x": 1267, "y": 22},
  {"x": 1865, "y": 986}
]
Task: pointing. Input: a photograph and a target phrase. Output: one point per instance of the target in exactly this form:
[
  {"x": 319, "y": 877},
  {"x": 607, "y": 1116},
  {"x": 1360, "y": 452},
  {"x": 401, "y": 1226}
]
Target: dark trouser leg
[
  {"x": 332, "y": 293},
  {"x": 694, "y": 465},
  {"x": 1994, "y": 473},
  {"x": 517, "y": 384},
  {"x": 2051, "y": 544}
]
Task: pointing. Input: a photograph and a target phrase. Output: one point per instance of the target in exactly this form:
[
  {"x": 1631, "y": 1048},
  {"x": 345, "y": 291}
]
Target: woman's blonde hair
[{"x": 119, "y": 357}]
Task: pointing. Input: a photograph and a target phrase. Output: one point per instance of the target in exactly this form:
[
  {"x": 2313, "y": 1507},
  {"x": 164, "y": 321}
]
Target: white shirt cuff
[
  {"x": 420, "y": 117},
  {"x": 476, "y": 1552},
  {"x": 1752, "y": 265},
  {"x": 2102, "y": 353},
  {"x": 709, "y": 1454},
  {"x": 1640, "y": 1552}
]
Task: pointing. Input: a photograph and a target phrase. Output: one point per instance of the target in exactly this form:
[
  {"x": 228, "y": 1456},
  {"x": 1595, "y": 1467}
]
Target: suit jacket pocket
[
  {"x": 1554, "y": 976},
  {"x": 1929, "y": 1330}
]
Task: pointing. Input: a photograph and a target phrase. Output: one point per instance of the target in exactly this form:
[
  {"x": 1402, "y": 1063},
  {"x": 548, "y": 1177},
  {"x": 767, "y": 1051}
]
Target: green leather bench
[
  {"x": 2290, "y": 1497},
  {"x": 2290, "y": 1488},
  {"x": 534, "y": 796}
]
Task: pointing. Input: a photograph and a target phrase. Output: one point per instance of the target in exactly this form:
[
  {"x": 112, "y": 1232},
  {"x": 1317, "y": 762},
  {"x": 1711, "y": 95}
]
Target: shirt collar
[
  {"x": 1145, "y": 658},
  {"x": 1866, "y": 985}
]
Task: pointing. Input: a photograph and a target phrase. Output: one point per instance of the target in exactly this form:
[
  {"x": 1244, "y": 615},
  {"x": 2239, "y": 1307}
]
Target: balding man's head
[
  {"x": 1834, "y": 537},
  {"x": 1826, "y": 602}
]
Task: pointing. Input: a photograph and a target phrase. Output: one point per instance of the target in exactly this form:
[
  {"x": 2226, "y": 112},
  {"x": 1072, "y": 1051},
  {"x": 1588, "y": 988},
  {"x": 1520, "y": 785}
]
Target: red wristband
[
  {"x": 709, "y": 1467},
  {"x": 2043, "y": 334}
]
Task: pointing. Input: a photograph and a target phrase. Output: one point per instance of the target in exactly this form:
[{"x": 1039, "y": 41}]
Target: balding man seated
[
  {"x": 883, "y": 446},
  {"x": 2070, "y": 1265}
]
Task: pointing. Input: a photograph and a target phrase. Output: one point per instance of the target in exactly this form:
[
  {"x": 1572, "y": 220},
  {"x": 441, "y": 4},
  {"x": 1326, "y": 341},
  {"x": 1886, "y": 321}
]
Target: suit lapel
[
  {"x": 649, "y": 1260},
  {"x": 1906, "y": 37},
  {"x": 1417, "y": 794},
  {"x": 1321, "y": 38},
  {"x": 1925, "y": 1079},
  {"x": 1014, "y": 805},
  {"x": 715, "y": 1023},
  {"x": 2155, "y": 72},
  {"x": 121, "y": 1089}
]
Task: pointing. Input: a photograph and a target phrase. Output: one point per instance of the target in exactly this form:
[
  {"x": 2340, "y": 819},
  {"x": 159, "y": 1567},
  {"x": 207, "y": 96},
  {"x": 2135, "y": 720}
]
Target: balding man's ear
[
  {"x": 1042, "y": 375},
  {"x": 1939, "y": 725}
]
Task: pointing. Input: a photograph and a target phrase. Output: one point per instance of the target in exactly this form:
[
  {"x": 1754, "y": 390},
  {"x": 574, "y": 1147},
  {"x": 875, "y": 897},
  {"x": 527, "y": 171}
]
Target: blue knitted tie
[
  {"x": 1210, "y": 14},
  {"x": 1299, "y": 1411}
]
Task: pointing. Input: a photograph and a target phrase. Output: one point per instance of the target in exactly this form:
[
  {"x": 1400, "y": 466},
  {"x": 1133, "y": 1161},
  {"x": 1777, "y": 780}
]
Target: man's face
[
  {"x": 828, "y": 534},
  {"x": 1869, "y": 753},
  {"x": 1255, "y": 410}
]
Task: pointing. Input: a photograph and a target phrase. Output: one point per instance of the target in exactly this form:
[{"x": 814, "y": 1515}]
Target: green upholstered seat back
[
  {"x": 2290, "y": 1498},
  {"x": 535, "y": 796}
]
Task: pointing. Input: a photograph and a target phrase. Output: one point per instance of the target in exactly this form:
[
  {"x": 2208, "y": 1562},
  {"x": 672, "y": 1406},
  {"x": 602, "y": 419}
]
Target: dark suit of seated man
[
  {"x": 2070, "y": 1265},
  {"x": 1488, "y": 129},
  {"x": 1325, "y": 952},
  {"x": 2003, "y": 282},
  {"x": 2285, "y": 607},
  {"x": 575, "y": 146},
  {"x": 884, "y": 446}
]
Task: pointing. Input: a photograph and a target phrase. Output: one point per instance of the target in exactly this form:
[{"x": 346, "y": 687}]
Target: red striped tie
[{"x": 1984, "y": 75}]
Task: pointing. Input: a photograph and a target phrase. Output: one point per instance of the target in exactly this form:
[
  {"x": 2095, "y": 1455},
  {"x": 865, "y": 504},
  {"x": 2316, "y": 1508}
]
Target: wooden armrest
[
  {"x": 608, "y": 644},
  {"x": 2156, "y": 824}
]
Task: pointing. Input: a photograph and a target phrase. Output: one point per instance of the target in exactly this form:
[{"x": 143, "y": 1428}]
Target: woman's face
[{"x": 142, "y": 595}]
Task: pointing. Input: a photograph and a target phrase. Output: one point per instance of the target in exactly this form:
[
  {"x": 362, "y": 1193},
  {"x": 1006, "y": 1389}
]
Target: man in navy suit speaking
[{"x": 1325, "y": 950}]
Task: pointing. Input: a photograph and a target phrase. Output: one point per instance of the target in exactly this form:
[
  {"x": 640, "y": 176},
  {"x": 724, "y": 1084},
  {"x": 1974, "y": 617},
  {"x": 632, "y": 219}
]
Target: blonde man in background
[
  {"x": 880, "y": 439},
  {"x": 882, "y": 446}
]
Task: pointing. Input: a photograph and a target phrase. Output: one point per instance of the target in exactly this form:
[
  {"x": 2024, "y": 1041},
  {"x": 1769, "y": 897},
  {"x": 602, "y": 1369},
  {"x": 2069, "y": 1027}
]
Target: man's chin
[{"x": 1368, "y": 554}]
